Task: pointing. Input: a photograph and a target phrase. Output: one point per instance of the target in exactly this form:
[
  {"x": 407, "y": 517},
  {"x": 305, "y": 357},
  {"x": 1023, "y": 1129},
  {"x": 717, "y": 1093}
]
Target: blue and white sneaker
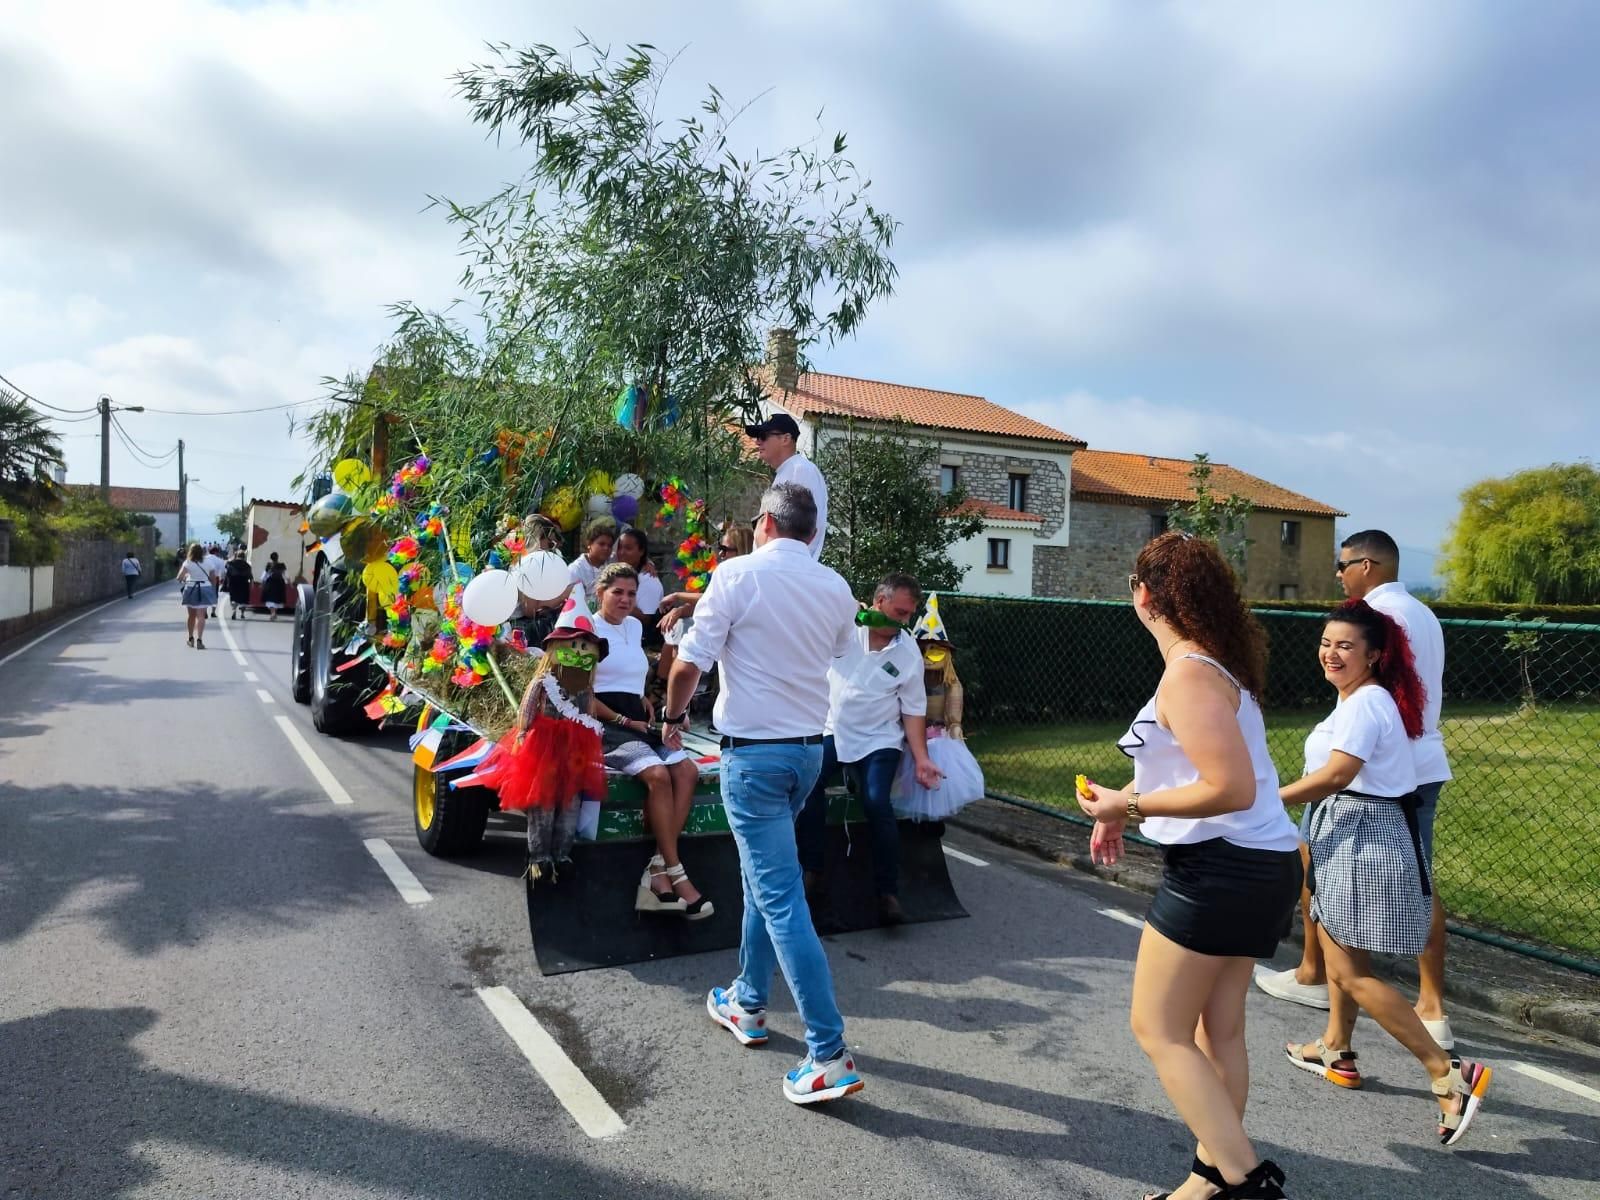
[
  {"x": 813, "y": 1082},
  {"x": 749, "y": 1025}
]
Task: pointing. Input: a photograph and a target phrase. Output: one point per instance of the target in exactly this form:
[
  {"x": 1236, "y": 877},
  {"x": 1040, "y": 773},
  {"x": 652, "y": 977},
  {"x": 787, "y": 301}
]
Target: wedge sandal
[
  {"x": 1470, "y": 1081},
  {"x": 701, "y": 908},
  {"x": 1205, "y": 1170},
  {"x": 1338, "y": 1067}
]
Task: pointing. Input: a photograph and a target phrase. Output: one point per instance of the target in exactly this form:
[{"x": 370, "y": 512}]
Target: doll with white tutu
[{"x": 947, "y": 746}]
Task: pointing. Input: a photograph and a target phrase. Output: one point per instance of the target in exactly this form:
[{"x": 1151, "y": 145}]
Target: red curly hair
[
  {"x": 1193, "y": 589},
  {"x": 1396, "y": 668}
]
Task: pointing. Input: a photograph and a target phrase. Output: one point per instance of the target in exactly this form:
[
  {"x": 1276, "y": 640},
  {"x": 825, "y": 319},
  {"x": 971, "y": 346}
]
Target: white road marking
[
  {"x": 1116, "y": 914},
  {"x": 411, "y": 891},
  {"x": 59, "y": 628},
  {"x": 332, "y": 786},
  {"x": 251, "y": 677},
  {"x": 587, "y": 1106},
  {"x": 233, "y": 646},
  {"x": 1554, "y": 1080},
  {"x": 266, "y": 696},
  {"x": 964, "y": 857}
]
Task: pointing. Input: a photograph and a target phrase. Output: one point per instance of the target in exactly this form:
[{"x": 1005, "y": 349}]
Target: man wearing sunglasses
[
  {"x": 777, "y": 446},
  {"x": 1368, "y": 568},
  {"x": 772, "y": 621}
]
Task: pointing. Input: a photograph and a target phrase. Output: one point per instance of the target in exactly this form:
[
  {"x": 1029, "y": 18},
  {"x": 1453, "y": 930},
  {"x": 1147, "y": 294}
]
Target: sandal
[
  {"x": 1469, "y": 1080},
  {"x": 1336, "y": 1066},
  {"x": 1205, "y": 1170},
  {"x": 701, "y": 908},
  {"x": 191, "y": 641},
  {"x": 647, "y": 899},
  {"x": 1263, "y": 1183}
]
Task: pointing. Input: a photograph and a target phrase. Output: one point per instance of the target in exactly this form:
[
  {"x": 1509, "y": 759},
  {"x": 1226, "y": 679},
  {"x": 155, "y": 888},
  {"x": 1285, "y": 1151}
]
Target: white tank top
[{"x": 1159, "y": 762}]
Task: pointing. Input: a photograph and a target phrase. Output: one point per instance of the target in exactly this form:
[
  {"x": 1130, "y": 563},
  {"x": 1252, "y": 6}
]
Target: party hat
[
  {"x": 931, "y": 627},
  {"x": 575, "y": 622}
]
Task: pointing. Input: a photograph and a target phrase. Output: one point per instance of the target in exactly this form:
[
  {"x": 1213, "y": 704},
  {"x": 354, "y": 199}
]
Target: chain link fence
[{"x": 1051, "y": 685}]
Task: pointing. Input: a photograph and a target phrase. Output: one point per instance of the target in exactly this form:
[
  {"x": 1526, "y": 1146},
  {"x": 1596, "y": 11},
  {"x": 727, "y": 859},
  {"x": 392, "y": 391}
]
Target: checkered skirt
[{"x": 1369, "y": 882}]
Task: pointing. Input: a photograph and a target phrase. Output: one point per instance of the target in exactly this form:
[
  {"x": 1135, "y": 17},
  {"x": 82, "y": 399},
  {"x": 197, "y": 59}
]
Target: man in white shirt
[
  {"x": 777, "y": 446},
  {"x": 130, "y": 572},
  {"x": 216, "y": 566},
  {"x": 877, "y": 708},
  {"x": 1369, "y": 569},
  {"x": 772, "y": 621}
]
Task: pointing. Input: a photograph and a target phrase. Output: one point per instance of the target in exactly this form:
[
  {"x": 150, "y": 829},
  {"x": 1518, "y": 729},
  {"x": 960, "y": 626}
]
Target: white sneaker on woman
[{"x": 1284, "y": 986}]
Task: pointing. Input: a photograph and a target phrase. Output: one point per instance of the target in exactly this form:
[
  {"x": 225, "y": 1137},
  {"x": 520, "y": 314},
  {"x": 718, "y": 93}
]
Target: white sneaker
[
  {"x": 1441, "y": 1032},
  {"x": 1284, "y": 986}
]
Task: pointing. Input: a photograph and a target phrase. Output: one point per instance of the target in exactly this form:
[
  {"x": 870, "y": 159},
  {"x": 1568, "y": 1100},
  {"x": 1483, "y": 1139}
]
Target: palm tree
[{"x": 29, "y": 449}]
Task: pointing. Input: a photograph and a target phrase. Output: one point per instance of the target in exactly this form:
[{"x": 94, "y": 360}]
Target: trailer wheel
[
  {"x": 449, "y": 822},
  {"x": 338, "y": 698},
  {"x": 300, "y": 647}
]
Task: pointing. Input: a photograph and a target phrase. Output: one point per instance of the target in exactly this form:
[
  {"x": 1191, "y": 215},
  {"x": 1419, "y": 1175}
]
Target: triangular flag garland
[
  {"x": 470, "y": 757},
  {"x": 426, "y": 750}
]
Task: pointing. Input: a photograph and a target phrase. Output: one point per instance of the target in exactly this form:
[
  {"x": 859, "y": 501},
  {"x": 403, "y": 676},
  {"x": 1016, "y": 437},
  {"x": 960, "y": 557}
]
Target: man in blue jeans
[
  {"x": 877, "y": 709},
  {"x": 772, "y": 621}
]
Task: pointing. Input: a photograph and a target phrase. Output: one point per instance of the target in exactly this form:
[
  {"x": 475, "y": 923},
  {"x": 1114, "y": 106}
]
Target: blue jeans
[
  {"x": 1428, "y": 793},
  {"x": 811, "y": 826},
  {"x": 871, "y": 779},
  {"x": 763, "y": 789}
]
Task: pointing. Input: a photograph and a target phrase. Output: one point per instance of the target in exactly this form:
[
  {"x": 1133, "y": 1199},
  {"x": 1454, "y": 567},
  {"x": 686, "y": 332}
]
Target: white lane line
[
  {"x": 59, "y": 628},
  {"x": 1554, "y": 1080},
  {"x": 1116, "y": 914},
  {"x": 251, "y": 677},
  {"x": 587, "y": 1106},
  {"x": 266, "y": 696},
  {"x": 411, "y": 891},
  {"x": 233, "y": 646},
  {"x": 332, "y": 786},
  {"x": 964, "y": 857}
]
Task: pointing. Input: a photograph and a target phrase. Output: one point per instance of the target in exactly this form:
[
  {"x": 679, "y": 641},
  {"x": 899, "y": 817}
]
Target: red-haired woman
[
  {"x": 1370, "y": 887},
  {"x": 1203, "y": 778}
]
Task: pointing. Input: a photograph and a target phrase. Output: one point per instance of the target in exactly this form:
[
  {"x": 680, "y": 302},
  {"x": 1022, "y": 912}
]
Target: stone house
[{"x": 1120, "y": 501}]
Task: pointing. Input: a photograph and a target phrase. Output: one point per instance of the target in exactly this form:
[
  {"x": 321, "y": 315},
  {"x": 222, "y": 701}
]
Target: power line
[
  {"x": 140, "y": 455},
  {"x": 32, "y": 399},
  {"x": 162, "y": 459},
  {"x": 232, "y": 412}
]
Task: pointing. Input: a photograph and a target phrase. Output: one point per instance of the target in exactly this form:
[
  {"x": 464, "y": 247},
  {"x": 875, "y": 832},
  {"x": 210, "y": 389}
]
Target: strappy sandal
[
  {"x": 647, "y": 899},
  {"x": 1469, "y": 1080},
  {"x": 1263, "y": 1183},
  {"x": 701, "y": 908},
  {"x": 1336, "y": 1066},
  {"x": 1205, "y": 1170}
]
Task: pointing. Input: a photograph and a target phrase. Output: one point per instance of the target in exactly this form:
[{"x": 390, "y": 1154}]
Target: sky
[{"x": 1351, "y": 248}]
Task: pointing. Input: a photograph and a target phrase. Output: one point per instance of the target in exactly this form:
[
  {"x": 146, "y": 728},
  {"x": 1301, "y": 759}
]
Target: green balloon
[{"x": 328, "y": 515}]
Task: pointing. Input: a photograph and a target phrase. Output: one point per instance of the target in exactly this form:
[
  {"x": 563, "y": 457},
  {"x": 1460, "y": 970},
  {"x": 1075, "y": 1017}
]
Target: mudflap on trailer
[{"x": 585, "y": 918}]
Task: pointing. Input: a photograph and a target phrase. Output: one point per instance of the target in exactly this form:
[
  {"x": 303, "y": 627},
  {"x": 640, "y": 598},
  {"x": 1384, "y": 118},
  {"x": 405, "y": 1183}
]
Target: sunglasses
[
  {"x": 755, "y": 521},
  {"x": 724, "y": 548},
  {"x": 1340, "y": 565}
]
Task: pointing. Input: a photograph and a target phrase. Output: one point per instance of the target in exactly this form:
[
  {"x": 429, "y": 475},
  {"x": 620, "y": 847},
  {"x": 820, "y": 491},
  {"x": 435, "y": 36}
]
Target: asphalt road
[{"x": 209, "y": 987}]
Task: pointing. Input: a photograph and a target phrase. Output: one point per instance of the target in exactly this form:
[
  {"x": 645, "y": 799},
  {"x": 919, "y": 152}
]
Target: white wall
[
  {"x": 282, "y": 527},
  {"x": 972, "y": 556},
  {"x": 15, "y": 600}
]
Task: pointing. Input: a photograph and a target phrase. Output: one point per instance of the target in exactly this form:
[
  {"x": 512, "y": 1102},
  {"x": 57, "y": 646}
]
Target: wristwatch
[
  {"x": 681, "y": 719},
  {"x": 1133, "y": 807}
]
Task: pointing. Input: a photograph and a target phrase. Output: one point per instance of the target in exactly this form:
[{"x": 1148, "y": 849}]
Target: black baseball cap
[{"x": 780, "y": 422}]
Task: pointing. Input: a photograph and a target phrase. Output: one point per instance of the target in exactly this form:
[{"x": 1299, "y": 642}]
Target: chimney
[{"x": 782, "y": 359}]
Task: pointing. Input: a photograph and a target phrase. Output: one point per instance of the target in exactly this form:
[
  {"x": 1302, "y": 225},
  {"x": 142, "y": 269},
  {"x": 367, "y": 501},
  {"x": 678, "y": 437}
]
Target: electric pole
[
  {"x": 104, "y": 404},
  {"x": 183, "y": 503}
]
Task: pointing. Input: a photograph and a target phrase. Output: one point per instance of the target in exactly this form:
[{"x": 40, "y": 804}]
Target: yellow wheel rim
[{"x": 422, "y": 784}]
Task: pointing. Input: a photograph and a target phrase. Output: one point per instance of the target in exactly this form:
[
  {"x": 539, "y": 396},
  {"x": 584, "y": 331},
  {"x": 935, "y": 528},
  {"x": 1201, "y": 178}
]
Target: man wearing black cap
[{"x": 777, "y": 445}]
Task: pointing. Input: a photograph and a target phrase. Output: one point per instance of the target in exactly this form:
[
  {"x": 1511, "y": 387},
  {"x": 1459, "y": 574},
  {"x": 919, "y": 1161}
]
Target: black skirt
[{"x": 1222, "y": 899}]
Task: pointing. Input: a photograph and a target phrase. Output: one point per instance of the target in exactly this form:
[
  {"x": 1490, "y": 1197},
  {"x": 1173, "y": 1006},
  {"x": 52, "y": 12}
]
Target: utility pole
[
  {"x": 183, "y": 503},
  {"x": 104, "y": 404}
]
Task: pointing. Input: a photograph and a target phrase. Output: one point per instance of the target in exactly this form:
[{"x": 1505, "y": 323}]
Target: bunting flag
[
  {"x": 427, "y": 715},
  {"x": 441, "y": 722},
  {"x": 427, "y": 748},
  {"x": 470, "y": 757},
  {"x": 357, "y": 660},
  {"x": 488, "y": 772}
]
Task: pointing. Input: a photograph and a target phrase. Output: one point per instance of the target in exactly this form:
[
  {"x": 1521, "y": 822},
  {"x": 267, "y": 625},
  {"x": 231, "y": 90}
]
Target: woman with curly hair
[
  {"x": 1369, "y": 882},
  {"x": 1205, "y": 786}
]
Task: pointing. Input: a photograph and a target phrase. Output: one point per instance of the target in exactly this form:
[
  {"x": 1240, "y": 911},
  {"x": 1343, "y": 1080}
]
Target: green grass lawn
[{"x": 1518, "y": 837}]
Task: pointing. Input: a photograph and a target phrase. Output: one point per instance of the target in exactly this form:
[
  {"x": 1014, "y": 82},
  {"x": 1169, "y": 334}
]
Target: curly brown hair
[{"x": 1194, "y": 590}]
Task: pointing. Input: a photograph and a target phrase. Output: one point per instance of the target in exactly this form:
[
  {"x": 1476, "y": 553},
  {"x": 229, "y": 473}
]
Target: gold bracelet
[{"x": 1134, "y": 815}]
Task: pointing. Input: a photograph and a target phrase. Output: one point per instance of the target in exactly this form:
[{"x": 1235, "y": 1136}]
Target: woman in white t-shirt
[
  {"x": 199, "y": 593},
  {"x": 1369, "y": 884},
  {"x": 633, "y": 746}
]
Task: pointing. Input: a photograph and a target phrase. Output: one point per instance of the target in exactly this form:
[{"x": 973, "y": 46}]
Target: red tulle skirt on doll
[{"x": 556, "y": 760}]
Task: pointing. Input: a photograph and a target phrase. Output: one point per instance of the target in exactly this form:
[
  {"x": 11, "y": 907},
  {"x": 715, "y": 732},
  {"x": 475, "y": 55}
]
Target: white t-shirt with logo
[
  {"x": 869, "y": 691},
  {"x": 1366, "y": 725}
]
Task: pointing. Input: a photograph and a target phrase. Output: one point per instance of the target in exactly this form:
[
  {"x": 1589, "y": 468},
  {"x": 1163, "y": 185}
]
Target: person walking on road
[
  {"x": 274, "y": 586},
  {"x": 1368, "y": 567},
  {"x": 199, "y": 593},
  {"x": 217, "y": 567},
  {"x": 777, "y": 446},
  {"x": 1207, "y": 791},
  {"x": 239, "y": 580},
  {"x": 772, "y": 621},
  {"x": 1368, "y": 878},
  {"x": 130, "y": 572}
]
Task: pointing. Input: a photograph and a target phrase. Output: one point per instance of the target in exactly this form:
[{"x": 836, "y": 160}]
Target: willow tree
[
  {"x": 1529, "y": 538},
  {"x": 620, "y": 290}
]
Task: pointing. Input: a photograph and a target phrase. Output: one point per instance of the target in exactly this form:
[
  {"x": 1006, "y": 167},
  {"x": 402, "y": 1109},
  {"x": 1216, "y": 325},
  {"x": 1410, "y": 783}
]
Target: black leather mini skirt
[{"x": 1218, "y": 898}]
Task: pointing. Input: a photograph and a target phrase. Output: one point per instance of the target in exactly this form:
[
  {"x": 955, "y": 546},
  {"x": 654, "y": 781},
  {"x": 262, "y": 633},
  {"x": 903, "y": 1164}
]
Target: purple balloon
[{"x": 625, "y": 508}]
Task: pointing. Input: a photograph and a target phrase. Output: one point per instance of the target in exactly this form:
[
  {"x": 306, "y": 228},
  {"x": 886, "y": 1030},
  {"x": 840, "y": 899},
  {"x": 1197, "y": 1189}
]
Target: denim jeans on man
[
  {"x": 870, "y": 780},
  {"x": 763, "y": 790},
  {"x": 811, "y": 826}
]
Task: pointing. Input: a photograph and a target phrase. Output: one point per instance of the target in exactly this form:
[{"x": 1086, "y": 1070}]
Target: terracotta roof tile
[
  {"x": 1115, "y": 476},
  {"x": 868, "y": 399},
  {"x": 136, "y": 499},
  {"x": 998, "y": 512}
]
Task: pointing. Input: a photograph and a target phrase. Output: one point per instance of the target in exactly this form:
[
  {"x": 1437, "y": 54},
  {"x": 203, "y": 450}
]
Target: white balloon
[
  {"x": 490, "y": 598},
  {"x": 599, "y": 505},
  {"x": 542, "y": 575},
  {"x": 629, "y": 485}
]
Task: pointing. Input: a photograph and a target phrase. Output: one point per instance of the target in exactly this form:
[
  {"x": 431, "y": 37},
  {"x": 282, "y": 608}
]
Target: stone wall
[
  {"x": 987, "y": 477},
  {"x": 1105, "y": 540}
]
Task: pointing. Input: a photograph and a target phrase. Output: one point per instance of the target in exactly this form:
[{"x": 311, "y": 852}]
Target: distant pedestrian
[
  {"x": 217, "y": 567},
  {"x": 771, "y": 622},
  {"x": 274, "y": 586},
  {"x": 1205, "y": 786},
  {"x": 777, "y": 446},
  {"x": 1368, "y": 880},
  {"x": 130, "y": 572},
  {"x": 238, "y": 579},
  {"x": 198, "y": 595}
]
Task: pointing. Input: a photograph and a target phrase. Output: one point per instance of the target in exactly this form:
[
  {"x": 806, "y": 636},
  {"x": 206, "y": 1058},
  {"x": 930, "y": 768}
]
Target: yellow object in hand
[{"x": 1082, "y": 783}]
